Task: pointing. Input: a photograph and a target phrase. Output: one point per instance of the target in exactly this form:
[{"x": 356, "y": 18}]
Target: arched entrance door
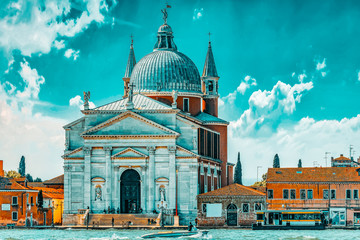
[
  {"x": 232, "y": 215},
  {"x": 130, "y": 191}
]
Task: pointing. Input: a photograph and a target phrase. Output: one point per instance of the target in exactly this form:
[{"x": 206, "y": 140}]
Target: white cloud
[
  {"x": 37, "y": 32},
  {"x": 39, "y": 138},
  {"x": 59, "y": 44},
  {"x": 266, "y": 107},
  {"x": 32, "y": 82},
  {"x": 307, "y": 139},
  {"x": 245, "y": 84},
  {"x": 198, "y": 13},
  {"x": 320, "y": 66},
  {"x": 78, "y": 102},
  {"x": 301, "y": 77},
  {"x": 358, "y": 76},
  {"x": 10, "y": 64},
  {"x": 71, "y": 53}
]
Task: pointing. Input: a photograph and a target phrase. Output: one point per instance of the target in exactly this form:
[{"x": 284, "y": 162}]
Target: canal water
[{"x": 22, "y": 234}]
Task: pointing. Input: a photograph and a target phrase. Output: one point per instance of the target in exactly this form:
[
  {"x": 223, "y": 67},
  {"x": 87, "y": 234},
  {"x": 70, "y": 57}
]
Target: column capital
[
  {"x": 87, "y": 151},
  {"x": 151, "y": 149},
  {"x": 67, "y": 168},
  {"x": 172, "y": 149},
  {"x": 107, "y": 150}
]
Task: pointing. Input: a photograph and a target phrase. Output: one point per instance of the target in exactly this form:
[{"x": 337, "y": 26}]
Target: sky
[{"x": 289, "y": 73}]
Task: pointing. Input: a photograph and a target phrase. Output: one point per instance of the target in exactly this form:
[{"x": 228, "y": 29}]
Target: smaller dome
[{"x": 165, "y": 28}]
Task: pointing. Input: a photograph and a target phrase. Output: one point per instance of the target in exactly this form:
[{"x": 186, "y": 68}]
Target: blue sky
[{"x": 289, "y": 72}]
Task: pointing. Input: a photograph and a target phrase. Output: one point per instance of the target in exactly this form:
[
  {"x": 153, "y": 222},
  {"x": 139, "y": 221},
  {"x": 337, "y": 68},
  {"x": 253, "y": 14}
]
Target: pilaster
[
  {"x": 172, "y": 177},
  {"x": 151, "y": 179},
  {"x": 87, "y": 177},
  {"x": 67, "y": 189},
  {"x": 108, "y": 172}
]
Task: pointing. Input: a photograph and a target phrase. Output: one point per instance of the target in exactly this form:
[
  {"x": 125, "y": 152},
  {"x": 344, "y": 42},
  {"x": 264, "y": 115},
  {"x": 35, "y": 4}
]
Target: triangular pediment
[
  {"x": 182, "y": 152},
  {"x": 129, "y": 123},
  {"x": 129, "y": 153},
  {"x": 77, "y": 153}
]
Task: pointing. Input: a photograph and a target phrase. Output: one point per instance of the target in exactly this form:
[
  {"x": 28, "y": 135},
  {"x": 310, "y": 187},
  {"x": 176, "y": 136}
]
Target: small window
[
  {"x": 14, "y": 201},
  {"x": 204, "y": 208},
  {"x": 293, "y": 194},
  {"x": 356, "y": 194},
  {"x": 257, "y": 206},
  {"x": 270, "y": 194},
  {"x": 302, "y": 194},
  {"x": 310, "y": 194},
  {"x": 211, "y": 86},
  {"x": 245, "y": 207},
  {"x": 186, "y": 105},
  {"x": 333, "y": 194},
  {"x": 14, "y": 216},
  {"x": 32, "y": 201},
  {"x": 348, "y": 194},
  {"x": 286, "y": 193},
  {"x": 325, "y": 194}
]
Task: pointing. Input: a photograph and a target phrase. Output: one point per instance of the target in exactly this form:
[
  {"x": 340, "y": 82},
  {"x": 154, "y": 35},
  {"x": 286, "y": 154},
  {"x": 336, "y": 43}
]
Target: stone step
[{"x": 121, "y": 219}]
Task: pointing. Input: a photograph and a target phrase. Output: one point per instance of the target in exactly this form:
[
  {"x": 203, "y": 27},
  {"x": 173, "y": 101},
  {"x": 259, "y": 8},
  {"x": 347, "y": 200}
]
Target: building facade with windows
[
  {"x": 233, "y": 205},
  {"x": 157, "y": 147},
  {"x": 334, "y": 190}
]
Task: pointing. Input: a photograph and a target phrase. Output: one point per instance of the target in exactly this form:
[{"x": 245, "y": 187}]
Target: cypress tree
[
  {"x": 22, "y": 166},
  {"x": 276, "y": 162},
  {"x": 299, "y": 163},
  {"x": 238, "y": 171}
]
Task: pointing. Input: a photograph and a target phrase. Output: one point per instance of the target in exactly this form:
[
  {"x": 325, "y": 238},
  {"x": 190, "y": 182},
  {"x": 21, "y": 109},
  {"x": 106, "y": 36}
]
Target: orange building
[
  {"x": 334, "y": 190},
  {"x": 19, "y": 203}
]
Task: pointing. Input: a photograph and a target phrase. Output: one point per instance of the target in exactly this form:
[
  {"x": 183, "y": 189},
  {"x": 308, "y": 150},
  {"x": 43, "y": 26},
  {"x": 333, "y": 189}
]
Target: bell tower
[
  {"x": 209, "y": 81},
  {"x": 129, "y": 68}
]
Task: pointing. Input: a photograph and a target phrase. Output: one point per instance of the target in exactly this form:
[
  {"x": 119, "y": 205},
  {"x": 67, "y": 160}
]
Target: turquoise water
[{"x": 214, "y": 234}]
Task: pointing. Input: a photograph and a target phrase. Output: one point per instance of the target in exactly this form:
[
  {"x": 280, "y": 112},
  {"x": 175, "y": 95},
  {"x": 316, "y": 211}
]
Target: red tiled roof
[
  {"x": 233, "y": 190},
  {"x": 35, "y": 184},
  {"x": 317, "y": 174},
  {"x": 342, "y": 158},
  {"x": 50, "y": 192},
  {"x": 56, "y": 180},
  {"x": 10, "y": 184}
]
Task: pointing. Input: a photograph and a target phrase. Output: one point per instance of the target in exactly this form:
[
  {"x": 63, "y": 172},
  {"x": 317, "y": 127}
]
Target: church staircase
[{"x": 121, "y": 219}]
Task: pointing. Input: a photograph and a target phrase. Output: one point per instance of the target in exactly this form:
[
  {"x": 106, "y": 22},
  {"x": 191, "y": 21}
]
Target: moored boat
[
  {"x": 175, "y": 234},
  {"x": 289, "y": 220}
]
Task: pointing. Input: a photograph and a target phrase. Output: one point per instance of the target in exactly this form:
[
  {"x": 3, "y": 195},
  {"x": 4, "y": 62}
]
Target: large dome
[{"x": 164, "y": 71}]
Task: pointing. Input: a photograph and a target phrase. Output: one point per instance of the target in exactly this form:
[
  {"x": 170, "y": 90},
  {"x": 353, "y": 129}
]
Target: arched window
[
  {"x": 211, "y": 86},
  {"x": 232, "y": 208}
]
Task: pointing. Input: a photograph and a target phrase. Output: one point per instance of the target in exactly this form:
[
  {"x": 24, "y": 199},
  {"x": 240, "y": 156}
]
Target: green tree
[
  {"x": 38, "y": 180},
  {"x": 299, "y": 163},
  {"x": 12, "y": 174},
  {"x": 29, "y": 177},
  {"x": 238, "y": 171},
  {"x": 22, "y": 166},
  {"x": 276, "y": 162},
  {"x": 40, "y": 200},
  {"x": 262, "y": 183}
]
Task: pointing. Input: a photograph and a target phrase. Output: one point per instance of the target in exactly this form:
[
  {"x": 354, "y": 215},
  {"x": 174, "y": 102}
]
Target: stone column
[
  {"x": 151, "y": 179},
  {"x": 206, "y": 180},
  {"x": 87, "y": 177},
  {"x": 67, "y": 189},
  {"x": 108, "y": 174},
  {"x": 172, "y": 177}
]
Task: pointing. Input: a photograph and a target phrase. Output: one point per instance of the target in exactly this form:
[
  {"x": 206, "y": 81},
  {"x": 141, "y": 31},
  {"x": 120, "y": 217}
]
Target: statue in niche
[
  {"x": 162, "y": 194},
  {"x": 98, "y": 193}
]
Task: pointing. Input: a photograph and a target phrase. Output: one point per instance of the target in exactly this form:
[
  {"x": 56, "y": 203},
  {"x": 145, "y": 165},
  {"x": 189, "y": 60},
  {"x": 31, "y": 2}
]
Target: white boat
[{"x": 175, "y": 234}]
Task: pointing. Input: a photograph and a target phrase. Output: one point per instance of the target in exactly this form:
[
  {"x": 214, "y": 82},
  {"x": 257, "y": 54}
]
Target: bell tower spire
[
  {"x": 209, "y": 81},
  {"x": 129, "y": 68}
]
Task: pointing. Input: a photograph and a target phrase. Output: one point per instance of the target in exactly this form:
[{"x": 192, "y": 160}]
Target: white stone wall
[{"x": 162, "y": 165}]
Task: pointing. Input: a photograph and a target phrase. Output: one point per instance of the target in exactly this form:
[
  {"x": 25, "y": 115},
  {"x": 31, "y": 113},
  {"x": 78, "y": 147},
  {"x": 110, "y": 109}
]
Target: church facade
[{"x": 156, "y": 148}]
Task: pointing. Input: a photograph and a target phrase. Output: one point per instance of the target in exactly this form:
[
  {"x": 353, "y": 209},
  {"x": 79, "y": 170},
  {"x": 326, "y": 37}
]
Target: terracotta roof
[
  {"x": 56, "y": 180},
  {"x": 10, "y": 184},
  {"x": 259, "y": 188},
  {"x": 50, "y": 192},
  {"x": 234, "y": 190},
  {"x": 328, "y": 174},
  {"x": 20, "y": 179},
  {"x": 342, "y": 158},
  {"x": 35, "y": 184}
]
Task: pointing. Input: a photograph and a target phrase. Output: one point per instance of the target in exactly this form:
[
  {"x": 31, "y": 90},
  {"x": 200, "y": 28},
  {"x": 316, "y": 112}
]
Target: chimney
[
  {"x": 341, "y": 155},
  {"x": 1, "y": 168}
]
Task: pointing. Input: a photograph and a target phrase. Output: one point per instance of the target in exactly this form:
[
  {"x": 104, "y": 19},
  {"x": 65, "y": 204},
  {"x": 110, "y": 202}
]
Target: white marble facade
[{"x": 152, "y": 139}]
